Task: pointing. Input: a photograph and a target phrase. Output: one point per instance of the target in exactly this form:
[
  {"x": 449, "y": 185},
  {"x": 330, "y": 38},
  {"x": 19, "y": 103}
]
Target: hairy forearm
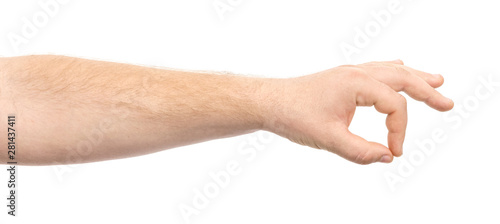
[{"x": 72, "y": 110}]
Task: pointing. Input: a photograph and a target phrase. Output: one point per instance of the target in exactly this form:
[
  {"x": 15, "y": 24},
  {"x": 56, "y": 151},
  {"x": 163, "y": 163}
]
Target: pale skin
[{"x": 71, "y": 110}]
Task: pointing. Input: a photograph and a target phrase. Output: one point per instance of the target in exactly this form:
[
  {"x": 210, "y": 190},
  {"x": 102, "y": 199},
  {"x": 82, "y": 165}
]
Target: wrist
[{"x": 271, "y": 97}]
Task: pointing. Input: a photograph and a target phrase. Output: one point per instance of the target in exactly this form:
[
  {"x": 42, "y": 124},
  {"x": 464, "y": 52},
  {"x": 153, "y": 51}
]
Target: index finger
[{"x": 389, "y": 102}]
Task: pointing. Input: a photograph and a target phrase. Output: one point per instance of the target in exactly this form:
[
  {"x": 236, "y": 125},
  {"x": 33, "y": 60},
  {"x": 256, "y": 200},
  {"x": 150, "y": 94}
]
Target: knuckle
[
  {"x": 402, "y": 100},
  {"x": 404, "y": 76},
  {"x": 401, "y": 70},
  {"x": 363, "y": 158}
]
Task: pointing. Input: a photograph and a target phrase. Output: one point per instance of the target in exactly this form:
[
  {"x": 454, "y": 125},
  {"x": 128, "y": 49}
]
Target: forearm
[{"x": 73, "y": 110}]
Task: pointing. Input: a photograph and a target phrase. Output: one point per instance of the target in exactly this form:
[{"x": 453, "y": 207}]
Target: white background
[{"x": 284, "y": 183}]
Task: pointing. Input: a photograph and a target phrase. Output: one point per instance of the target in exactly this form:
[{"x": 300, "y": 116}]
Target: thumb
[{"x": 358, "y": 150}]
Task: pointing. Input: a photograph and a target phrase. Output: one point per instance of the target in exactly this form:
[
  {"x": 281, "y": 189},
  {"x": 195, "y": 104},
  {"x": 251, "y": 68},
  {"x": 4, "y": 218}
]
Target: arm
[{"x": 72, "y": 110}]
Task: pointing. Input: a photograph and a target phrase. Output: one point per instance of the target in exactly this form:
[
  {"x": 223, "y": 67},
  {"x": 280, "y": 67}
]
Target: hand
[{"x": 316, "y": 110}]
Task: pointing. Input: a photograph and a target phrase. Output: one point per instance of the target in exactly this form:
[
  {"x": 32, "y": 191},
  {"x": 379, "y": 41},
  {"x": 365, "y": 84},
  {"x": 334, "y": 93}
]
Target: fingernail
[
  {"x": 385, "y": 159},
  {"x": 437, "y": 75}
]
